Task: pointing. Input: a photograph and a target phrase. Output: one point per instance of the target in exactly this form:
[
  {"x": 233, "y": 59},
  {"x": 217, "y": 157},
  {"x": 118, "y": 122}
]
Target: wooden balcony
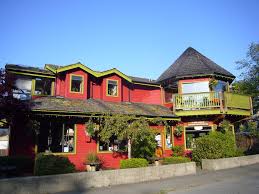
[{"x": 211, "y": 103}]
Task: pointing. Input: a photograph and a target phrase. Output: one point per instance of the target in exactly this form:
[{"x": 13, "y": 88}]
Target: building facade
[{"x": 193, "y": 93}]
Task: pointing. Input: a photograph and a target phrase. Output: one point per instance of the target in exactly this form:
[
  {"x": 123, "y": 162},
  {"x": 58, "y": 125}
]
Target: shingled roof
[
  {"x": 192, "y": 63},
  {"x": 15, "y": 67},
  {"x": 90, "y": 106}
]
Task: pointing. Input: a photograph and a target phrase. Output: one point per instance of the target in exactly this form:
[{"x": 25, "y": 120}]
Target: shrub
[
  {"x": 144, "y": 145},
  {"x": 213, "y": 146},
  {"x": 51, "y": 164},
  {"x": 21, "y": 164},
  {"x": 176, "y": 160},
  {"x": 133, "y": 163},
  {"x": 178, "y": 150}
]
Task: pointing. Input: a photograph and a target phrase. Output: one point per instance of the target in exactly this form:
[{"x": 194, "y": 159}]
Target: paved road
[{"x": 242, "y": 180}]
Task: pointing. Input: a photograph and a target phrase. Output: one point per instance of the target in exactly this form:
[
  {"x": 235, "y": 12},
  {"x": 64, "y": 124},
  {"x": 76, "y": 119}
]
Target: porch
[{"x": 205, "y": 103}]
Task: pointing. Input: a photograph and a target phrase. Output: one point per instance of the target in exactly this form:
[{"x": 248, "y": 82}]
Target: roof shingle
[
  {"x": 192, "y": 63},
  {"x": 91, "y": 106}
]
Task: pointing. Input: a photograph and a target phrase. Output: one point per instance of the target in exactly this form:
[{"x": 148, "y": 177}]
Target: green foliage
[
  {"x": 213, "y": 83},
  {"x": 129, "y": 127},
  {"x": 22, "y": 164},
  {"x": 91, "y": 127},
  {"x": 178, "y": 131},
  {"x": 225, "y": 126},
  {"x": 92, "y": 157},
  {"x": 144, "y": 145},
  {"x": 239, "y": 152},
  {"x": 133, "y": 163},
  {"x": 51, "y": 164},
  {"x": 250, "y": 127},
  {"x": 176, "y": 160},
  {"x": 178, "y": 150},
  {"x": 213, "y": 146},
  {"x": 250, "y": 75}
]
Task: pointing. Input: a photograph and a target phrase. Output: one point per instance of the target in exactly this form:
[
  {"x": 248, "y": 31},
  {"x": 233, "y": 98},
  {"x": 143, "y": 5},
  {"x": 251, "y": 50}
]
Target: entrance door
[{"x": 194, "y": 132}]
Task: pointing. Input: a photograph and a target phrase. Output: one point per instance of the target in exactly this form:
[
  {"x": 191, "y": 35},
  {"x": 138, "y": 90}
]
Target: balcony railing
[{"x": 211, "y": 100}]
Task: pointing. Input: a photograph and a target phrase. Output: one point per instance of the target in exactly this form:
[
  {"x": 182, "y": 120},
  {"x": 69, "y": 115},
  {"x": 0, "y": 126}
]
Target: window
[
  {"x": 42, "y": 86},
  {"x": 192, "y": 133},
  {"x": 57, "y": 137},
  {"x": 76, "y": 84},
  {"x": 220, "y": 87},
  {"x": 195, "y": 87},
  {"x": 113, "y": 145},
  {"x": 168, "y": 136},
  {"x": 23, "y": 88},
  {"x": 112, "y": 87}
]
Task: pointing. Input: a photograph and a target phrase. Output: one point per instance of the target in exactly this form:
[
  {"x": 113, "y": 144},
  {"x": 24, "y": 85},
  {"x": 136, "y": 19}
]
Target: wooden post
[
  {"x": 129, "y": 148},
  {"x": 221, "y": 96},
  {"x": 173, "y": 100},
  {"x": 251, "y": 105}
]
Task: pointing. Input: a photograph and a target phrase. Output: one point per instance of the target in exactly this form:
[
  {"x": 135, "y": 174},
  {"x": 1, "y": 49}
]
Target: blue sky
[{"x": 140, "y": 38}]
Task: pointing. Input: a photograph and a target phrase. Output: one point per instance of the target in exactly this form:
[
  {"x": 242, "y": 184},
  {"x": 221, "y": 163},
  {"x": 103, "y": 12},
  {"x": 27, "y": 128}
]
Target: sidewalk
[{"x": 185, "y": 184}]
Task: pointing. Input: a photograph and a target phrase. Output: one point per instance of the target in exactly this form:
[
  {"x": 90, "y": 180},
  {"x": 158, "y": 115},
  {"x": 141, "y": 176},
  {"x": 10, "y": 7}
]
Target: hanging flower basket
[
  {"x": 213, "y": 83},
  {"x": 178, "y": 131}
]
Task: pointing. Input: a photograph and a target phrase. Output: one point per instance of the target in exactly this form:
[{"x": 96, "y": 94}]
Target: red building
[{"x": 193, "y": 92}]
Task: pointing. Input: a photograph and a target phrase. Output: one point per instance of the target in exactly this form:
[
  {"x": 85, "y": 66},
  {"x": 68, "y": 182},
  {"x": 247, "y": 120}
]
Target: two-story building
[{"x": 193, "y": 92}]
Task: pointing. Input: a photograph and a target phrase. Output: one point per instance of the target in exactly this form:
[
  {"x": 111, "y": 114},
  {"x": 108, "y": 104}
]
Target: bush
[
  {"x": 51, "y": 164},
  {"x": 176, "y": 160},
  {"x": 213, "y": 146},
  {"x": 144, "y": 145},
  {"x": 21, "y": 164},
  {"x": 133, "y": 163},
  {"x": 178, "y": 151}
]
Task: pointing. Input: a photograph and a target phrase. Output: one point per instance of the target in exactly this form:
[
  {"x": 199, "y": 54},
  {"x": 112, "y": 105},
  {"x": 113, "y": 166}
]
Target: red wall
[
  {"x": 63, "y": 84},
  {"x": 96, "y": 88},
  {"x": 146, "y": 94},
  {"x": 104, "y": 89},
  {"x": 84, "y": 145}
]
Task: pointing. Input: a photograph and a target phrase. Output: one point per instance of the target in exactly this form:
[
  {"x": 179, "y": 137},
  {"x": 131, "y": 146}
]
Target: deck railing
[
  {"x": 237, "y": 101},
  {"x": 210, "y": 100}
]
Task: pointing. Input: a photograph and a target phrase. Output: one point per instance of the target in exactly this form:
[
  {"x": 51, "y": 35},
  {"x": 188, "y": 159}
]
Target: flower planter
[{"x": 91, "y": 167}]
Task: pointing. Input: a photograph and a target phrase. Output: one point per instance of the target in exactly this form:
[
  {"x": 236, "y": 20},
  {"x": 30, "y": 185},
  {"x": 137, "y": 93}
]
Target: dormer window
[
  {"x": 77, "y": 82},
  {"x": 43, "y": 86},
  {"x": 112, "y": 88}
]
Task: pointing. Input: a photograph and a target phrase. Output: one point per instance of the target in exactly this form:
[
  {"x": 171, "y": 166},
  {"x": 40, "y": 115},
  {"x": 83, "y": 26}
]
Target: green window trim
[
  {"x": 81, "y": 91},
  {"x": 107, "y": 87}
]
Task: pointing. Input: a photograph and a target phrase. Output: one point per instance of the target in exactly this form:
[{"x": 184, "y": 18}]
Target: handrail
[
  {"x": 211, "y": 100},
  {"x": 197, "y": 100}
]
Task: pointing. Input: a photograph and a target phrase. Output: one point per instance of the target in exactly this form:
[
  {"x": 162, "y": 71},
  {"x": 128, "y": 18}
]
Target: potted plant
[
  {"x": 92, "y": 161},
  {"x": 178, "y": 131},
  {"x": 213, "y": 83}
]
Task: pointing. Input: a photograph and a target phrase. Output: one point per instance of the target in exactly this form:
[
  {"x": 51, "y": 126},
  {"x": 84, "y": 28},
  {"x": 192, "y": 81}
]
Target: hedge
[
  {"x": 133, "y": 163},
  {"x": 47, "y": 164},
  {"x": 176, "y": 160},
  {"x": 215, "y": 145}
]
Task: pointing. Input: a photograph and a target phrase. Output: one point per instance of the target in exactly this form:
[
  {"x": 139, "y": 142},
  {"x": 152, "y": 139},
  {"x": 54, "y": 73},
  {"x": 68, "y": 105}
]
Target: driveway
[{"x": 241, "y": 180}]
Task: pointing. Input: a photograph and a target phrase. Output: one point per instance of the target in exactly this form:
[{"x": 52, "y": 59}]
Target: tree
[
  {"x": 128, "y": 127},
  {"x": 11, "y": 108},
  {"x": 249, "y": 84}
]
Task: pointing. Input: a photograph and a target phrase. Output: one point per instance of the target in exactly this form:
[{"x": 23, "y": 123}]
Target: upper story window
[
  {"x": 43, "y": 86},
  {"x": 220, "y": 87},
  {"x": 77, "y": 83},
  {"x": 112, "y": 88},
  {"x": 195, "y": 87},
  {"x": 23, "y": 86}
]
